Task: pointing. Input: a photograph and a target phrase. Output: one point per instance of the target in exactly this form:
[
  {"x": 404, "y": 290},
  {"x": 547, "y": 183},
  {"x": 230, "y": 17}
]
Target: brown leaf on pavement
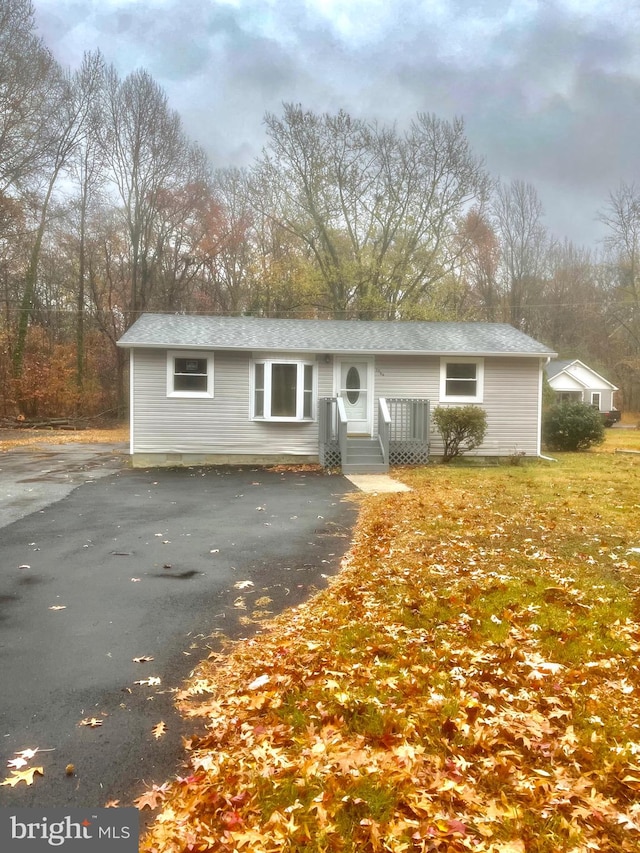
[{"x": 159, "y": 729}]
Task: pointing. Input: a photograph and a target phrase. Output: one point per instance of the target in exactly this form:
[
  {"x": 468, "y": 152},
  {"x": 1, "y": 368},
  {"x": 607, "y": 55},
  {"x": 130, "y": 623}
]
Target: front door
[{"x": 353, "y": 387}]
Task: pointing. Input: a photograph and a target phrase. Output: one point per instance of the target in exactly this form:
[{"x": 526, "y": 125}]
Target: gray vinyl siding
[
  {"x": 222, "y": 424},
  {"x": 218, "y": 425},
  {"x": 406, "y": 376},
  {"x": 511, "y": 398}
]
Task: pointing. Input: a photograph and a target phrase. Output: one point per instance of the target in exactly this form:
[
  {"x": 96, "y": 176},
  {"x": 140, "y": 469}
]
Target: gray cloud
[{"x": 549, "y": 91}]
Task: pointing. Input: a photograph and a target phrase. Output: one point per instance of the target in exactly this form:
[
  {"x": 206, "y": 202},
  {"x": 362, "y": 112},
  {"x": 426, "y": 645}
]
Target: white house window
[
  {"x": 282, "y": 390},
  {"x": 461, "y": 380},
  {"x": 595, "y": 399},
  {"x": 189, "y": 374}
]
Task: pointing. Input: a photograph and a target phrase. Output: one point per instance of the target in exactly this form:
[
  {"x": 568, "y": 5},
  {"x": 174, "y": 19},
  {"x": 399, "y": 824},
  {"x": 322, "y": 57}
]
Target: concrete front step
[{"x": 365, "y": 468}]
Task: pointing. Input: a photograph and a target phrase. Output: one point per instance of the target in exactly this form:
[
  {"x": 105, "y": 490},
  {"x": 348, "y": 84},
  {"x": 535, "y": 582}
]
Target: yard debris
[
  {"x": 464, "y": 683},
  {"x": 91, "y": 722}
]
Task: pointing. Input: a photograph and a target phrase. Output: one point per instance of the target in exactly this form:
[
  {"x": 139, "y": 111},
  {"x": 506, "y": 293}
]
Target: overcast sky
[{"x": 549, "y": 91}]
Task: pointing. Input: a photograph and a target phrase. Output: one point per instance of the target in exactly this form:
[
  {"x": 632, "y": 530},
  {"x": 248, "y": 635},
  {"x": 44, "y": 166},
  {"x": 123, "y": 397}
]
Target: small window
[
  {"x": 189, "y": 374},
  {"x": 461, "y": 380},
  {"x": 282, "y": 390},
  {"x": 595, "y": 399}
]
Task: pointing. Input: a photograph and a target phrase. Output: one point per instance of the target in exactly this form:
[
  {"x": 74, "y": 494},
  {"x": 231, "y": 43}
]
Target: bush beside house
[
  {"x": 572, "y": 426},
  {"x": 462, "y": 428}
]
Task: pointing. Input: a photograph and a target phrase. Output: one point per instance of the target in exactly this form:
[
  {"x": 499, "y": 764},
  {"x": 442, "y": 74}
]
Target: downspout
[{"x": 540, "y": 454}]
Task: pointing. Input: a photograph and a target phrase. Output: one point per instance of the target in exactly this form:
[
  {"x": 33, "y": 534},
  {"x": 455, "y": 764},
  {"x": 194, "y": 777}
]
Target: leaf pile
[{"x": 469, "y": 682}]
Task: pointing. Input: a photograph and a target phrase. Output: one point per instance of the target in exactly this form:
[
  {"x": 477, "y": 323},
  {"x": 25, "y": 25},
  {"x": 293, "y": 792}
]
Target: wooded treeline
[{"x": 108, "y": 209}]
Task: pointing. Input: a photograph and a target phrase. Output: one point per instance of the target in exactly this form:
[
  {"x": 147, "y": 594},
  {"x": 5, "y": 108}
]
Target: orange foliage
[{"x": 48, "y": 385}]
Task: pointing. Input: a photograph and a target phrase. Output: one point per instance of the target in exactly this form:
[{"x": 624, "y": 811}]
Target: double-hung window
[
  {"x": 282, "y": 390},
  {"x": 461, "y": 380},
  {"x": 189, "y": 374}
]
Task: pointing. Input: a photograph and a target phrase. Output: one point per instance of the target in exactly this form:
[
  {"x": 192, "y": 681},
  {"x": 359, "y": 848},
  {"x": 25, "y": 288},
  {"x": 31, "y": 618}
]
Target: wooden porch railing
[
  {"x": 403, "y": 430},
  {"x": 409, "y": 430},
  {"x": 342, "y": 428},
  {"x": 409, "y": 419},
  {"x": 384, "y": 428},
  {"x": 332, "y": 431}
]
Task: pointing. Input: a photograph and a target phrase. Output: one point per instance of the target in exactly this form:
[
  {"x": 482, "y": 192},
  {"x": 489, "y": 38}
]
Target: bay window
[{"x": 282, "y": 390}]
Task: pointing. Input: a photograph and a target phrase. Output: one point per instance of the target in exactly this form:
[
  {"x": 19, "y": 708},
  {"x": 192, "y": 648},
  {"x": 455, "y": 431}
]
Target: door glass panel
[{"x": 352, "y": 383}]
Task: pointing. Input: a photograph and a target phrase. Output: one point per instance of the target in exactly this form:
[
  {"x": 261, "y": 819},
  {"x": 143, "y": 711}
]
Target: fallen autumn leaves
[{"x": 468, "y": 682}]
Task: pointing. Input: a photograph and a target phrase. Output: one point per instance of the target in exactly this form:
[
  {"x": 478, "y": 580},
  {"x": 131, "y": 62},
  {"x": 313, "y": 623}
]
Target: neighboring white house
[
  {"x": 248, "y": 390},
  {"x": 573, "y": 381}
]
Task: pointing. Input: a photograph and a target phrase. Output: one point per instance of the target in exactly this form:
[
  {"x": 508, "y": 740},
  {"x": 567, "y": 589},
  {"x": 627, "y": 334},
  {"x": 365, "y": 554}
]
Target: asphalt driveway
[{"x": 122, "y": 564}]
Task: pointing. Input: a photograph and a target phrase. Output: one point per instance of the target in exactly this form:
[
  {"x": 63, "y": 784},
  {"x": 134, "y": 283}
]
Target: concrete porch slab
[{"x": 376, "y": 483}]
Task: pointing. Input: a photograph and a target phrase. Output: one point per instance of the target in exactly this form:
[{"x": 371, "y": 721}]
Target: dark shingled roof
[
  {"x": 555, "y": 367},
  {"x": 182, "y": 331}
]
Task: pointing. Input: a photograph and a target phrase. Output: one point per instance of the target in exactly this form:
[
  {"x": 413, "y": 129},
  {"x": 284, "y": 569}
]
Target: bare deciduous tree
[
  {"x": 26, "y": 68},
  {"x": 621, "y": 215},
  {"x": 149, "y": 156},
  {"x": 517, "y": 215},
  {"x": 67, "y": 109},
  {"x": 378, "y": 210}
]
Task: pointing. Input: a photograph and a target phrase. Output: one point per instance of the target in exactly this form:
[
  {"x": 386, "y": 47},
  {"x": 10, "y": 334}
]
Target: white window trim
[
  {"x": 173, "y": 354},
  {"x": 268, "y": 363},
  {"x": 597, "y": 403},
  {"x": 457, "y": 398}
]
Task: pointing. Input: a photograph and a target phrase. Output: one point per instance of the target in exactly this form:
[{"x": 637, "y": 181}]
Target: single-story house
[
  {"x": 250, "y": 390},
  {"x": 574, "y": 381}
]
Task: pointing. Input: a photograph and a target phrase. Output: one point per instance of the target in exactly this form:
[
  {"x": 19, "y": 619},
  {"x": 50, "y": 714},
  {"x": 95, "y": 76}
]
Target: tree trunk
[
  {"x": 80, "y": 361},
  {"x": 121, "y": 390},
  {"x": 31, "y": 277},
  {"x": 27, "y": 303}
]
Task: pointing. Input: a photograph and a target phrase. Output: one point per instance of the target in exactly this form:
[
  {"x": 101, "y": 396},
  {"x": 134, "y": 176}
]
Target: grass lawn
[{"x": 469, "y": 681}]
